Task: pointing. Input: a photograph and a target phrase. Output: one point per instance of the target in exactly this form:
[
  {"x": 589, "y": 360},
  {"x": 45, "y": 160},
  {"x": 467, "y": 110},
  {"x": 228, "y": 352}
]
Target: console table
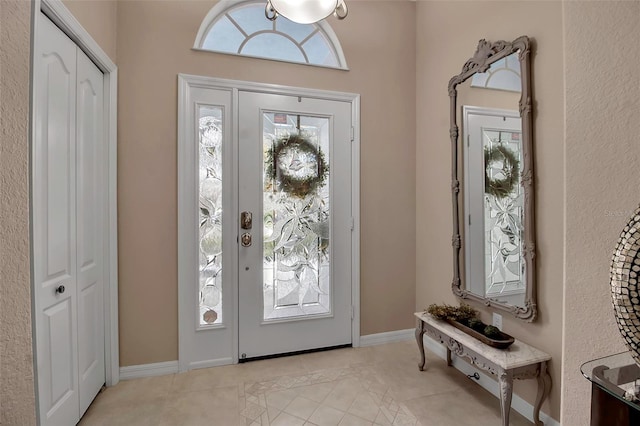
[{"x": 518, "y": 361}]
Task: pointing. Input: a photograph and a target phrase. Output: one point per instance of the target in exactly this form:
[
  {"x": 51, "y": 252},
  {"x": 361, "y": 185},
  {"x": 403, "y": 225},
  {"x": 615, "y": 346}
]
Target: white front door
[
  {"x": 295, "y": 254},
  {"x": 265, "y": 222},
  {"x": 68, "y": 227}
]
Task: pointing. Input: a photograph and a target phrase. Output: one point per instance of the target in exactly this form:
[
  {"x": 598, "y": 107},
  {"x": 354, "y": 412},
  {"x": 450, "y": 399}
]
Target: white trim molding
[
  {"x": 386, "y": 337},
  {"x": 186, "y": 83},
  {"x": 62, "y": 17},
  {"x": 355, "y": 214},
  {"x": 486, "y": 381},
  {"x": 148, "y": 370},
  {"x": 211, "y": 363}
]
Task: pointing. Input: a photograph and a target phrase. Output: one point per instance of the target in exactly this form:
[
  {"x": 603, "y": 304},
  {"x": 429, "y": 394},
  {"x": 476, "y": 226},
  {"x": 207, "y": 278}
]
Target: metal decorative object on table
[{"x": 625, "y": 291}]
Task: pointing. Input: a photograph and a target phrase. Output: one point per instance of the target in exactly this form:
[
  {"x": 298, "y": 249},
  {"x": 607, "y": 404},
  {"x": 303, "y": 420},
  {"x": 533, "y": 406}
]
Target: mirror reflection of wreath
[
  {"x": 296, "y": 165},
  {"x": 500, "y": 187}
]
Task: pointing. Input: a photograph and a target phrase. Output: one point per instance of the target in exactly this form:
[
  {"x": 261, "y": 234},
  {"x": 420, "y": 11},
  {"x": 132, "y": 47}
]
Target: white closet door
[
  {"x": 90, "y": 229},
  {"x": 54, "y": 226}
]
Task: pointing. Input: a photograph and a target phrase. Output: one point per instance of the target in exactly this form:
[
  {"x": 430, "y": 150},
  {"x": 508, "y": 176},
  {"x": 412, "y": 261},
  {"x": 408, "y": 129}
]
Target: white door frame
[
  {"x": 60, "y": 15},
  {"x": 185, "y": 81}
]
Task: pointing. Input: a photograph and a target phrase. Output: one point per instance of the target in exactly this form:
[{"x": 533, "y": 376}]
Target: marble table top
[{"x": 519, "y": 354}]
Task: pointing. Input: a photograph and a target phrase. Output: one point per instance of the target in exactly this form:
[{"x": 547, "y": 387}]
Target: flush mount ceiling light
[{"x": 305, "y": 11}]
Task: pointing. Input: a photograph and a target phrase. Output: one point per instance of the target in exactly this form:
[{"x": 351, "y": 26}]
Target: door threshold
[{"x": 306, "y": 351}]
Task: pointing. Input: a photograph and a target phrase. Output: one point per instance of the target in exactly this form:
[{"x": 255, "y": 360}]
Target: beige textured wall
[
  {"x": 601, "y": 124},
  {"x": 17, "y": 398},
  {"x": 154, "y": 42},
  {"x": 98, "y": 17},
  {"x": 602, "y": 179},
  {"x": 441, "y": 53}
]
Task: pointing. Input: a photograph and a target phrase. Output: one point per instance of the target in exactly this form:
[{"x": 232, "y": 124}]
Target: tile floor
[{"x": 377, "y": 385}]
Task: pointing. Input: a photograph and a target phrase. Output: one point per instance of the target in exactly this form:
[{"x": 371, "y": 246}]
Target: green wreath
[
  {"x": 287, "y": 178},
  {"x": 500, "y": 188}
]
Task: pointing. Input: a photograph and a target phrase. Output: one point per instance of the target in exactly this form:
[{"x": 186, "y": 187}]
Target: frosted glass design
[
  {"x": 504, "y": 262},
  {"x": 210, "y": 223},
  {"x": 244, "y": 30},
  {"x": 296, "y": 267}
]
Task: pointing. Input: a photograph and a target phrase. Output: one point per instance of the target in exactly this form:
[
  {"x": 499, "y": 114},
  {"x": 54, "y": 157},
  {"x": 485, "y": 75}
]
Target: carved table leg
[
  {"x": 448, "y": 357},
  {"x": 544, "y": 386},
  {"x": 419, "y": 334},
  {"x": 506, "y": 391}
]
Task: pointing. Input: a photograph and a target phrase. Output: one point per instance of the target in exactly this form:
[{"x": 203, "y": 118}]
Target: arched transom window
[{"x": 241, "y": 28}]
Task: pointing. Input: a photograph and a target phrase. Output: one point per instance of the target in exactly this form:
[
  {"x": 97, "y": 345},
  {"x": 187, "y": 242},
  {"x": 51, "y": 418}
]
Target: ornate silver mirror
[{"x": 492, "y": 179}]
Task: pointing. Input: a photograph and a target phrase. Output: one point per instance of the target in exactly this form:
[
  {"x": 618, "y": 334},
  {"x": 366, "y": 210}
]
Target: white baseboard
[
  {"x": 210, "y": 363},
  {"x": 488, "y": 383},
  {"x": 148, "y": 370},
  {"x": 387, "y": 337}
]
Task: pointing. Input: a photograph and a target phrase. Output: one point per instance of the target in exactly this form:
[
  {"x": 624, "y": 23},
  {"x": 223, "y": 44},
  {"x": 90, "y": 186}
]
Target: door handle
[
  {"x": 60, "y": 289},
  {"x": 246, "y": 220},
  {"x": 245, "y": 239}
]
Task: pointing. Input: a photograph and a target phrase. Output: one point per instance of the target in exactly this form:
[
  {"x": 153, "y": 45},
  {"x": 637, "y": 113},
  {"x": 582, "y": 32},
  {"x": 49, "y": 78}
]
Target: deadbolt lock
[
  {"x": 246, "y": 220},
  {"x": 245, "y": 239}
]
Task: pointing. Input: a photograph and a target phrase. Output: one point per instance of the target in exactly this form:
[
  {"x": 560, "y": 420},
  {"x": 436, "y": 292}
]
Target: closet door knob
[{"x": 60, "y": 289}]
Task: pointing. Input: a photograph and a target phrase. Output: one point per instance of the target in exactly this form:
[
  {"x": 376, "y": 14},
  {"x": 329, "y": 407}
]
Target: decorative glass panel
[
  {"x": 210, "y": 223},
  {"x": 296, "y": 210},
  {"x": 503, "y": 213},
  {"x": 243, "y": 29}
]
